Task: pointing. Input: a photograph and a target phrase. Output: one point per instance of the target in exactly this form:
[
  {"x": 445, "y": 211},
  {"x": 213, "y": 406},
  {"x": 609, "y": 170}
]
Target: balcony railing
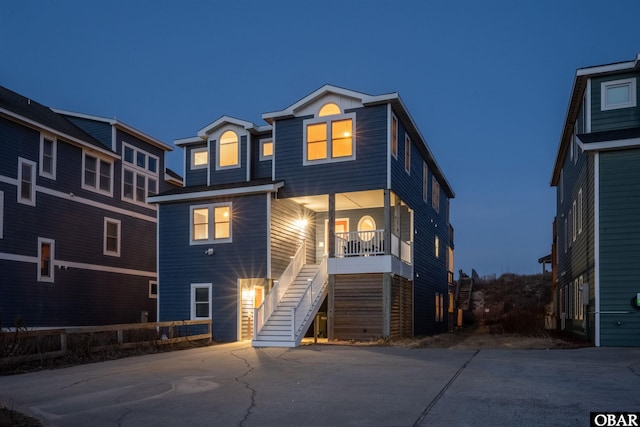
[{"x": 359, "y": 243}]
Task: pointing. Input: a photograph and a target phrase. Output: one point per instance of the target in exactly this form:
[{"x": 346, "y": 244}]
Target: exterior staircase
[{"x": 293, "y": 314}]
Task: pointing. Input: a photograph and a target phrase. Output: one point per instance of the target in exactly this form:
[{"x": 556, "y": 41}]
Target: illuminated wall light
[{"x": 301, "y": 223}]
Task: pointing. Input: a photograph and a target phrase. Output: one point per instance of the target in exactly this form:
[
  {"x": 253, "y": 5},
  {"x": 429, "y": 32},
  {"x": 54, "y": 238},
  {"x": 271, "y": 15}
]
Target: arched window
[
  {"x": 365, "y": 225},
  {"x": 229, "y": 149},
  {"x": 329, "y": 109}
]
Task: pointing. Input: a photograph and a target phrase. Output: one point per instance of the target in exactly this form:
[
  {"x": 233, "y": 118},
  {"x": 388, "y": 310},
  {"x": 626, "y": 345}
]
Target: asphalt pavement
[{"x": 329, "y": 385}]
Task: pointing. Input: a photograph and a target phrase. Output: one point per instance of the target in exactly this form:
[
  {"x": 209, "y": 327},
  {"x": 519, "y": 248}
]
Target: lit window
[
  {"x": 407, "y": 154},
  {"x": 436, "y": 246},
  {"x": 366, "y": 228},
  {"x": 200, "y": 301},
  {"x": 48, "y": 157},
  {"x": 45, "y": 259},
  {"x": 228, "y": 149},
  {"x": 435, "y": 194},
  {"x": 266, "y": 149},
  {"x": 199, "y": 158},
  {"x": 211, "y": 223},
  {"x": 111, "y": 237},
  {"x": 329, "y": 109},
  {"x": 425, "y": 181},
  {"x": 618, "y": 94},
  {"x": 27, "y": 182},
  {"x": 394, "y": 136},
  {"x": 329, "y": 137},
  {"x": 98, "y": 175}
]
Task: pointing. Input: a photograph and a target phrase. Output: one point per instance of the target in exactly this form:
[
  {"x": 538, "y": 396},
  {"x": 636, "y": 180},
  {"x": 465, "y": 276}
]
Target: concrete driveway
[{"x": 325, "y": 385}]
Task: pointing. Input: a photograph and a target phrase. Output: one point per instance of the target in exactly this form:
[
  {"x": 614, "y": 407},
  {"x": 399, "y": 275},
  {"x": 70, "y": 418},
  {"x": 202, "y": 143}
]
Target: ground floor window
[
  {"x": 45, "y": 259},
  {"x": 439, "y": 307},
  {"x": 200, "y": 301}
]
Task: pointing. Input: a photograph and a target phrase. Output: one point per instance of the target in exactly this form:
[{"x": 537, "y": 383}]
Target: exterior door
[{"x": 341, "y": 226}]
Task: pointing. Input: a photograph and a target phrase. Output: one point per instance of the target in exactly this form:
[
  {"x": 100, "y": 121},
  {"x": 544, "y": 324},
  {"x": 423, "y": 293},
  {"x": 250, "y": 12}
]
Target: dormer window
[
  {"x": 329, "y": 137},
  {"x": 228, "y": 150},
  {"x": 618, "y": 94}
]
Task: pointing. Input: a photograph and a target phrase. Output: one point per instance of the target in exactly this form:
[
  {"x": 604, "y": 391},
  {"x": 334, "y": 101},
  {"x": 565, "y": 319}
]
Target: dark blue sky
[{"x": 487, "y": 82}]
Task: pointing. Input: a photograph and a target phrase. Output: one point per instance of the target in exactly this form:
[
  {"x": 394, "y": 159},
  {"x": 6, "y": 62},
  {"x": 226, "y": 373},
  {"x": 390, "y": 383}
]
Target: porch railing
[
  {"x": 280, "y": 287},
  {"x": 359, "y": 243},
  {"x": 310, "y": 300}
]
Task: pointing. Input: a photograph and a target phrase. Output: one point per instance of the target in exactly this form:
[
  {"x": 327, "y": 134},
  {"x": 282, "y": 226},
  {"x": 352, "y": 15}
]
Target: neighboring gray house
[
  {"x": 335, "y": 205},
  {"x": 597, "y": 224}
]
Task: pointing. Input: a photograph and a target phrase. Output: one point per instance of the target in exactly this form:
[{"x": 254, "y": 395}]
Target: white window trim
[
  {"x": 105, "y": 251},
  {"x": 52, "y": 243},
  {"x": 407, "y": 154},
  {"x": 31, "y": 201},
  {"x": 151, "y": 283},
  {"x": 138, "y": 172},
  {"x": 630, "y": 83},
  {"x": 574, "y": 228},
  {"x": 192, "y": 165},
  {"x": 54, "y": 155},
  {"x": 328, "y": 120},
  {"x": 265, "y": 141},
  {"x": 97, "y": 188},
  {"x": 1, "y": 214},
  {"x": 192, "y": 300},
  {"x": 210, "y": 212},
  {"x": 393, "y": 117},
  {"x": 217, "y": 141}
]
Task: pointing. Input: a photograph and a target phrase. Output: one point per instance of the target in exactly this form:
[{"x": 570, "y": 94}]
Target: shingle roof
[{"x": 36, "y": 112}]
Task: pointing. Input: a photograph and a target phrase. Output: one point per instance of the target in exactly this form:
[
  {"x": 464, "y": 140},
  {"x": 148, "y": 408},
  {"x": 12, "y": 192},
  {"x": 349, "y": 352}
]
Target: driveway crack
[
  {"x": 444, "y": 389},
  {"x": 241, "y": 380}
]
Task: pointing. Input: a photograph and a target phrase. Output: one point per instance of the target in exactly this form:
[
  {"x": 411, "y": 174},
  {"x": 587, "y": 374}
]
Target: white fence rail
[{"x": 359, "y": 243}]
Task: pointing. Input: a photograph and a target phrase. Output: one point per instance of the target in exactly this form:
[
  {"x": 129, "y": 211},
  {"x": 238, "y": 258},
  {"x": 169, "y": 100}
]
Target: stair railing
[
  {"x": 309, "y": 301},
  {"x": 280, "y": 287}
]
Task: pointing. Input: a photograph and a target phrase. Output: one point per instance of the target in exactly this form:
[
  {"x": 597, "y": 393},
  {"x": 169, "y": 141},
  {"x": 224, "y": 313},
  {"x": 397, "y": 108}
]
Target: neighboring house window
[
  {"x": 436, "y": 246},
  {"x": 228, "y": 150},
  {"x": 200, "y": 301},
  {"x": 425, "y": 181},
  {"x": 407, "y": 154},
  {"x": 211, "y": 224},
  {"x": 153, "y": 289},
  {"x": 26, "y": 182},
  {"x": 1, "y": 215},
  {"x": 439, "y": 307},
  {"x": 45, "y": 259},
  {"x": 394, "y": 136},
  {"x": 329, "y": 137},
  {"x": 48, "y": 151},
  {"x": 618, "y": 94},
  {"x": 199, "y": 158},
  {"x": 112, "y": 237},
  {"x": 139, "y": 175},
  {"x": 574, "y": 143},
  {"x": 580, "y": 211},
  {"x": 435, "y": 194},
  {"x": 266, "y": 149},
  {"x": 98, "y": 174},
  {"x": 574, "y": 224}
]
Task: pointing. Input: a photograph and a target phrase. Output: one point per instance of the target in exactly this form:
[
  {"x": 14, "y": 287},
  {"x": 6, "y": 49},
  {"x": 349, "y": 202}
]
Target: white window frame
[
  {"x": 52, "y": 244},
  {"x": 407, "y": 154},
  {"x": 435, "y": 193},
  {"x": 630, "y": 83},
  {"x": 192, "y": 300},
  {"x": 31, "y": 200},
  {"x": 574, "y": 224},
  {"x": 217, "y": 141},
  {"x": 262, "y": 142},
  {"x": 1, "y": 214},
  {"x": 139, "y": 171},
  {"x": 105, "y": 250},
  {"x": 194, "y": 151},
  {"x": 97, "y": 188},
  {"x": 211, "y": 224},
  {"x": 54, "y": 156},
  {"x": 328, "y": 120},
  {"x": 394, "y": 136},
  {"x": 425, "y": 182},
  {"x": 151, "y": 293}
]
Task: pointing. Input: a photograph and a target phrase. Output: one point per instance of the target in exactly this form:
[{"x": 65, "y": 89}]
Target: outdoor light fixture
[{"x": 209, "y": 251}]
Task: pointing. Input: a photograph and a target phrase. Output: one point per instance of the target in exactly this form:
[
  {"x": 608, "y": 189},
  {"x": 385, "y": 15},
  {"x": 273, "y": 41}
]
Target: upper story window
[
  {"x": 435, "y": 194},
  {"x": 26, "y": 182},
  {"x": 199, "y": 158},
  {"x": 618, "y": 94},
  {"x": 98, "y": 174},
  {"x": 211, "y": 223},
  {"x": 45, "y": 259},
  {"x": 329, "y": 137},
  {"x": 139, "y": 175},
  {"x": 394, "y": 136},
  {"x": 48, "y": 151},
  {"x": 228, "y": 150},
  {"x": 266, "y": 149},
  {"x": 407, "y": 154}
]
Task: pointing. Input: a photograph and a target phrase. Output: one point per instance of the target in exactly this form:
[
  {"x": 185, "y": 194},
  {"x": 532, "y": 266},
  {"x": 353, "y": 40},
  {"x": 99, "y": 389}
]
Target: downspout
[{"x": 596, "y": 244}]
